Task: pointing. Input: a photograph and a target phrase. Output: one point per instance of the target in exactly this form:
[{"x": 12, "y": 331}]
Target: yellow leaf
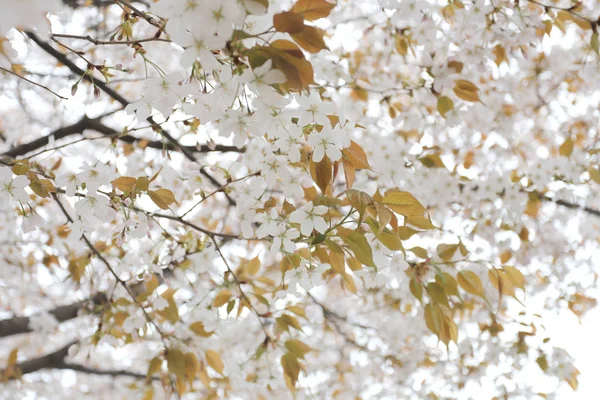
[
  {"x": 313, "y": 9},
  {"x": 501, "y": 282},
  {"x": 221, "y": 298},
  {"x": 198, "y": 329},
  {"x": 297, "y": 348},
  {"x": 403, "y": 203},
  {"x": 154, "y": 367},
  {"x": 419, "y": 221},
  {"x": 566, "y": 149},
  {"x": 515, "y": 276},
  {"x": 434, "y": 318},
  {"x": 500, "y": 54},
  {"x": 191, "y": 367},
  {"x": 291, "y": 367},
  {"x": 297, "y": 310},
  {"x": 466, "y": 90},
  {"x": 444, "y": 105},
  {"x": 359, "y": 200},
  {"x": 402, "y": 45},
  {"x": 253, "y": 266},
  {"x": 594, "y": 174},
  {"x": 12, "y": 357},
  {"x": 416, "y": 288},
  {"x": 214, "y": 361},
  {"x": 349, "y": 283},
  {"x": 163, "y": 198},
  {"x": 142, "y": 183},
  {"x": 437, "y": 294},
  {"x": 470, "y": 282},
  {"x": 448, "y": 282},
  {"x": 456, "y": 66},
  {"x": 286, "y": 321},
  {"x": 124, "y": 183},
  {"x": 446, "y": 251},
  {"x": 176, "y": 362}
]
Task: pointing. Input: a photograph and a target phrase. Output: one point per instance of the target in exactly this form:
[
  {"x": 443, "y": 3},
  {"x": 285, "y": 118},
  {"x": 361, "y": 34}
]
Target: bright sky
[{"x": 582, "y": 343}]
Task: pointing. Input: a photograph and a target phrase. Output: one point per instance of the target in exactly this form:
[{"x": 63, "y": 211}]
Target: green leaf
[
  {"x": 291, "y": 367},
  {"x": 437, "y": 294},
  {"x": 297, "y": 348},
  {"x": 416, "y": 288},
  {"x": 361, "y": 248}
]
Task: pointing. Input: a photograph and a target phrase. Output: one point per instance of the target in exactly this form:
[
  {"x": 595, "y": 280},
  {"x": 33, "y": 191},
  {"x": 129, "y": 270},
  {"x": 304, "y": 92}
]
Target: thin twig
[{"x": 33, "y": 83}]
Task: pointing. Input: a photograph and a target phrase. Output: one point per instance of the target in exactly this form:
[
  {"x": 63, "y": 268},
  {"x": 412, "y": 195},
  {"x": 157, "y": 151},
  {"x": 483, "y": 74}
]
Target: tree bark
[{"x": 18, "y": 325}]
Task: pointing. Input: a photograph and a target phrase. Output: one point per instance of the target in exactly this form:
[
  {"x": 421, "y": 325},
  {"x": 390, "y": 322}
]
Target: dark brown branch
[
  {"x": 94, "y": 124},
  {"x": 120, "y": 99},
  {"x": 56, "y": 360},
  {"x": 44, "y": 362},
  {"x": 17, "y": 325},
  {"x": 93, "y": 371},
  {"x": 570, "y": 205},
  {"x": 59, "y": 133},
  {"x": 543, "y": 197}
]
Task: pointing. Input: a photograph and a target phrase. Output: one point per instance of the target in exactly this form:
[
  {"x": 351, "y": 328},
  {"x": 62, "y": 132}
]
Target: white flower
[
  {"x": 96, "y": 205},
  {"x": 309, "y": 218},
  {"x": 94, "y": 176},
  {"x": 198, "y": 44},
  {"x": 268, "y": 223},
  {"x": 247, "y": 217},
  {"x": 32, "y": 222},
  {"x": 133, "y": 322},
  {"x": 70, "y": 181},
  {"x": 283, "y": 239},
  {"x": 313, "y": 109},
  {"x": 328, "y": 141},
  {"x": 12, "y": 187},
  {"x": 275, "y": 167},
  {"x": 261, "y": 78}
]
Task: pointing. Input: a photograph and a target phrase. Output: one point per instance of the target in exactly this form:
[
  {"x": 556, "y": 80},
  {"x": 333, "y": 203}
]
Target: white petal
[
  {"x": 319, "y": 153},
  {"x": 320, "y": 224},
  {"x": 306, "y": 227},
  {"x": 297, "y": 216},
  {"x": 333, "y": 153}
]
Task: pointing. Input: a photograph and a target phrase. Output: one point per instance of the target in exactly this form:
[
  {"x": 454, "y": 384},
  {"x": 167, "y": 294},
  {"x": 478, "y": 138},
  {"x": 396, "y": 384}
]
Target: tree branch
[
  {"x": 86, "y": 75},
  {"x": 32, "y": 82},
  {"x": 56, "y": 360},
  {"x": 96, "y": 125},
  {"x": 17, "y": 325}
]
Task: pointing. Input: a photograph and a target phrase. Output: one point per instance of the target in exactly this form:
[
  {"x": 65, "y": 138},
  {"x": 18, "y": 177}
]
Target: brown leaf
[
  {"x": 310, "y": 39},
  {"x": 163, "y": 198},
  {"x": 313, "y": 9},
  {"x": 356, "y": 156},
  {"x": 289, "y": 22}
]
